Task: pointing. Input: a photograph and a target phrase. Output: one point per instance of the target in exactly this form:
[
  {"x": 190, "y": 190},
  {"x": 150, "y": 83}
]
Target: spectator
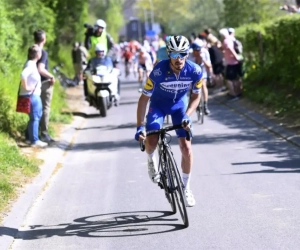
[
  {"x": 232, "y": 72},
  {"x": 81, "y": 57},
  {"x": 291, "y": 8},
  {"x": 31, "y": 86},
  {"x": 216, "y": 57},
  {"x": 238, "y": 47},
  {"x": 47, "y": 88},
  {"x": 74, "y": 61},
  {"x": 99, "y": 36}
]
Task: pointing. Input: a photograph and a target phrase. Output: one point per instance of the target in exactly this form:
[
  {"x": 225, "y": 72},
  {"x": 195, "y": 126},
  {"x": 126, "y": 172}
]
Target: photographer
[{"x": 97, "y": 34}]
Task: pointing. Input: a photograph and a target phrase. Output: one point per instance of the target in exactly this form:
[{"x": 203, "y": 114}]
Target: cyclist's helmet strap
[{"x": 178, "y": 44}]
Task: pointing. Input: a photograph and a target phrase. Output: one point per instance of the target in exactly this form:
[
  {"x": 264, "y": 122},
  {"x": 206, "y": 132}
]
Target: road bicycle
[{"x": 170, "y": 180}]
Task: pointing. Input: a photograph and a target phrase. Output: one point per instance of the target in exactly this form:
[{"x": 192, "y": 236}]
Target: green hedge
[{"x": 272, "y": 61}]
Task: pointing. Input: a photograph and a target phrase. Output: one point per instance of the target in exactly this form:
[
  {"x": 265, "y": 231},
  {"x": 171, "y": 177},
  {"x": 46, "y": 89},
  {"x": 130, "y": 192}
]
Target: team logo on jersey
[
  {"x": 175, "y": 85},
  {"x": 157, "y": 72},
  {"x": 199, "y": 84},
  {"x": 149, "y": 85},
  {"x": 197, "y": 70},
  {"x": 185, "y": 72}
]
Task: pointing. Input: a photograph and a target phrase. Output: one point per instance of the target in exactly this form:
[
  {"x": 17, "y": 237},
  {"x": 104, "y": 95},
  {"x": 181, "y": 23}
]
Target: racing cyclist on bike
[
  {"x": 166, "y": 88},
  {"x": 145, "y": 65}
]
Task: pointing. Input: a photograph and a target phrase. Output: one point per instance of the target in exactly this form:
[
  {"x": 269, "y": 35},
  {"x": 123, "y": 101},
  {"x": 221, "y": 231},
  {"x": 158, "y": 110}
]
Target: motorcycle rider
[
  {"x": 101, "y": 58},
  {"x": 99, "y": 35}
]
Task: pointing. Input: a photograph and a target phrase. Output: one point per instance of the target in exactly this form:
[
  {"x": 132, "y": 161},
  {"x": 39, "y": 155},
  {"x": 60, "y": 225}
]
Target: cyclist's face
[
  {"x": 178, "y": 63},
  {"x": 196, "y": 53}
]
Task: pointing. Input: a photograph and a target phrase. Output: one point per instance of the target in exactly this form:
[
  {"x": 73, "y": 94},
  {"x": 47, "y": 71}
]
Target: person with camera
[
  {"x": 97, "y": 35},
  {"x": 93, "y": 36}
]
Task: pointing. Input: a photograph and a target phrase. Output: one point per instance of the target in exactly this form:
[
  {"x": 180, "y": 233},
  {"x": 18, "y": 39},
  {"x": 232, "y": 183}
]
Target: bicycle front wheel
[{"x": 177, "y": 186}]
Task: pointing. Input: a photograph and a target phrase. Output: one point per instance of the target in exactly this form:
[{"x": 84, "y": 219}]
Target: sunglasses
[{"x": 176, "y": 55}]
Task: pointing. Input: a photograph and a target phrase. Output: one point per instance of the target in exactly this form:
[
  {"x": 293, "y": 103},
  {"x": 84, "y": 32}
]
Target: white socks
[{"x": 186, "y": 180}]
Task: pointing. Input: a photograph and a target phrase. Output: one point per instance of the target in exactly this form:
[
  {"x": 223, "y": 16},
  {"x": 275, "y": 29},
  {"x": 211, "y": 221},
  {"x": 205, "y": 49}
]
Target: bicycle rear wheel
[
  {"x": 200, "y": 112},
  {"x": 177, "y": 186}
]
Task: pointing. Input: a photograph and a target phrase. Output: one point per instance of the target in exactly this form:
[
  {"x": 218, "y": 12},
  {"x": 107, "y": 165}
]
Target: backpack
[{"x": 238, "y": 47}]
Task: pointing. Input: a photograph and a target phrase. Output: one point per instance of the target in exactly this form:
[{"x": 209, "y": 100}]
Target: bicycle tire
[
  {"x": 178, "y": 186},
  {"x": 166, "y": 170},
  {"x": 200, "y": 112}
]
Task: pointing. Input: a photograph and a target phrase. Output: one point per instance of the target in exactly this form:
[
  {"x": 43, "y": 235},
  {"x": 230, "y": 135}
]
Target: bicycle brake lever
[
  {"x": 188, "y": 133},
  {"x": 142, "y": 145}
]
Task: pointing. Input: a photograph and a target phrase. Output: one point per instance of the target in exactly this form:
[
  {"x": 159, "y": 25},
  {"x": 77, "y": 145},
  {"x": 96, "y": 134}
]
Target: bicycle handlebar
[{"x": 165, "y": 129}]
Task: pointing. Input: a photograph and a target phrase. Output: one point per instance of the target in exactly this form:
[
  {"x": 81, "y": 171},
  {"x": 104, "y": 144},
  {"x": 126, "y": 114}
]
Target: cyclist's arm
[
  {"x": 196, "y": 91},
  {"x": 141, "y": 109},
  {"x": 193, "y": 104}
]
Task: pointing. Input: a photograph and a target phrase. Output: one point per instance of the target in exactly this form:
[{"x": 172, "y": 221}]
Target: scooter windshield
[{"x": 101, "y": 70}]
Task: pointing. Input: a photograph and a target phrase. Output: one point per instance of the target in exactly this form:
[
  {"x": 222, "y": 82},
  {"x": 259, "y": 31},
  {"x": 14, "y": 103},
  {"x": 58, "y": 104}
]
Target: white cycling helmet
[
  {"x": 100, "y": 23},
  {"x": 178, "y": 44},
  {"x": 100, "y": 47}
]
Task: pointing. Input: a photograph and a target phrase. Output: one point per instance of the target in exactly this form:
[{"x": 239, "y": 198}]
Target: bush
[{"x": 272, "y": 62}]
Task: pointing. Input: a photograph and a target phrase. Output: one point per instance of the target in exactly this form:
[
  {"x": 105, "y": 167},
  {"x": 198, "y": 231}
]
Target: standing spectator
[
  {"x": 216, "y": 57},
  {"x": 74, "y": 61},
  {"x": 31, "y": 86},
  {"x": 81, "y": 58},
  {"x": 232, "y": 64},
  {"x": 238, "y": 47},
  {"x": 47, "y": 88}
]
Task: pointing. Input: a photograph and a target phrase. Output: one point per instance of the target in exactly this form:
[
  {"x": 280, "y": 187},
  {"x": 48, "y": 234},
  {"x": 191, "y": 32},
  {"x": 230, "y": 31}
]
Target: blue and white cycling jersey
[
  {"x": 163, "y": 86},
  {"x": 167, "y": 93}
]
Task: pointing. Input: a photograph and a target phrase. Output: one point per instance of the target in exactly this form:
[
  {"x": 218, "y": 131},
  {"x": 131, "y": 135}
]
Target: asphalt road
[{"x": 245, "y": 181}]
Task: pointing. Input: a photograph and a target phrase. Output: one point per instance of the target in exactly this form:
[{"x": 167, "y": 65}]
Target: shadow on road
[
  {"x": 123, "y": 224},
  {"x": 111, "y": 127},
  {"x": 84, "y": 115},
  {"x": 241, "y": 129}
]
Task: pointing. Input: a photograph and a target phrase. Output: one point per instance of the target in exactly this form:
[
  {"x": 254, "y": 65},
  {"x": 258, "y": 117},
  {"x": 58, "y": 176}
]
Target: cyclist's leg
[
  {"x": 140, "y": 73},
  {"x": 186, "y": 158},
  {"x": 155, "y": 118}
]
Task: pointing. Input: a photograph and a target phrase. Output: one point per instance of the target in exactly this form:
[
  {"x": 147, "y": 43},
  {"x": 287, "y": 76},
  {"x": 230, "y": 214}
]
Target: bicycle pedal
[{"x": 160, "y": 185}]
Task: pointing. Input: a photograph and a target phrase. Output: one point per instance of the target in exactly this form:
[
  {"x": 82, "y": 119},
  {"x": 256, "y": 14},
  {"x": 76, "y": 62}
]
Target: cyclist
[
  {"x": 202, "y": 58},
  {"x": 127, "y": 55},
  {"x": 145, "y": 65},
  {"x": 162, "y": 53},
  {"x": 166, "y": 88}
]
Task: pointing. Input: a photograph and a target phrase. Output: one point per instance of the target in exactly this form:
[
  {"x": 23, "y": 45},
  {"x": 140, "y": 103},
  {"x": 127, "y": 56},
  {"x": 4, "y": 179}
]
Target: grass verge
[
  {"x": 15, "y": 169},
  {"x": 16, "y": 166}
]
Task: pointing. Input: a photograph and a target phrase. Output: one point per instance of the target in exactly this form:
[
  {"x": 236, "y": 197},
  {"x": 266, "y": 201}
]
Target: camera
[{"x": 89, "y": 29}]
